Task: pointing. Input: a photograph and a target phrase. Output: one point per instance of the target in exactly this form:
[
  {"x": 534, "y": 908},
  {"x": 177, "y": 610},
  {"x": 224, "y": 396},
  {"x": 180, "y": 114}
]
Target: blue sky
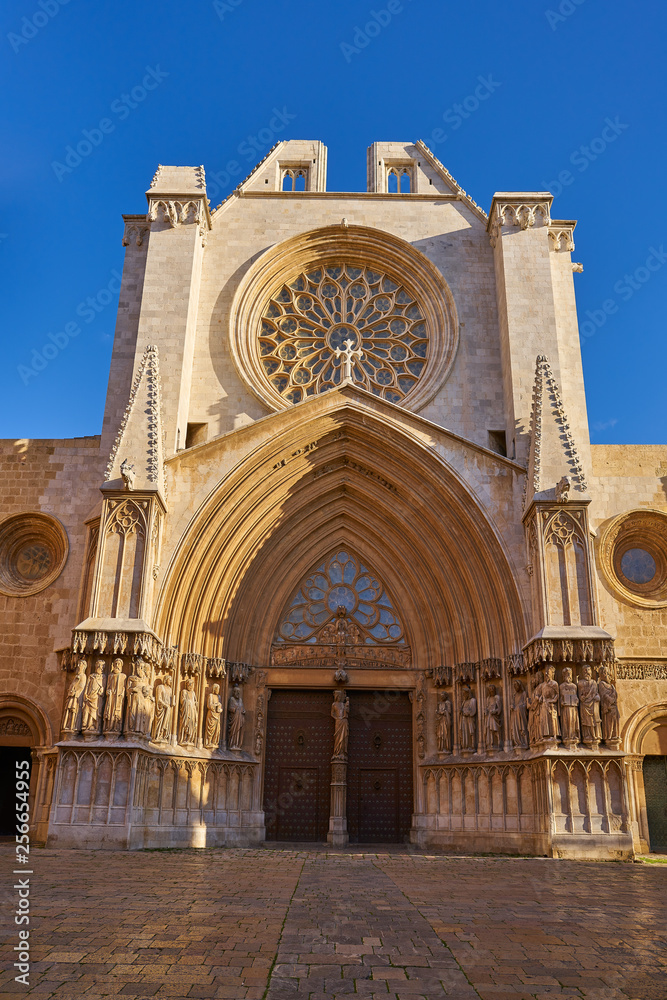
[{"x": 562, "y": 71}]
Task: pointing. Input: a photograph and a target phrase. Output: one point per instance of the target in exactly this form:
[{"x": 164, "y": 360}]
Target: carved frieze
[{"x": 11, "y": 726}]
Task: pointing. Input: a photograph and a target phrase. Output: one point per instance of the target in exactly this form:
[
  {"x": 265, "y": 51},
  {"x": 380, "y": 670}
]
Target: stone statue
[
  {"x": 146, "y": 709},
  {"x": 113, "y": 707},
  {"x": 609, "y": 709},
  {"x": 72, "y": 713},
  {"x": 164, "y": 700},
  {"x": 213, "y": 714},
  {"x": 340, "y": 711},
  {"x": 443, "y": 730},
  {"x": 236, "y": 717},
  {"x": 493, "y": 718},
  {"x": 533, "y": 703},
  {"x": 569, "y": 711},
  {"x": 187, "y": 725},
  {"x": 519, "y": 716},
  {"x": 93, "y": 700},
  {"x": 547, "y": 720},
  {"x": 589, "y": 709},
  {"x": 468, "y": 720},
  {"x": 127, "y": 474},
  {"x": 134, "y": 688}
]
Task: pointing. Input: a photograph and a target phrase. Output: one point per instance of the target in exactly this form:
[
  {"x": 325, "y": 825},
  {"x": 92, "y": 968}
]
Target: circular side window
[
  {"x": 33, "y": 552},
  {"x": 633, "y": 554}
]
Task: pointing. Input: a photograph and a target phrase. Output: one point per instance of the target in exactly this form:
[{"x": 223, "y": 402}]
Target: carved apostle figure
[
  {"x": 548, "y": 694},
  {"x": 493, "y": 718},
  {"x": 533, "y": 703},
  {"x": 468, "y": 720},
  {"x": 519, "y": 716},
  {"x": 72, "y": 712},
  {"x": 113, "y": 706},
  {"x": 135, "y": 683},
  {"x": 164, "y": 700},
  {"x": 340, "y": 711},
  {"x": 213, "y": 714},
  {"x": 608, "y": 709},
  {"x": 236, "y": 717},
  {"x": 443, "y": 729},
  {"x": 589, "y": 709},
  {"x": 146, "y": 709},
  {"x": 187, "y": 723},
  {"x": 569, "y": 710},
  {"x": 93, "y": 700}
]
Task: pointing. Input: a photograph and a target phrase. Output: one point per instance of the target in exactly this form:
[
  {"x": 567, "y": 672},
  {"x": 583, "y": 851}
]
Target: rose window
[
  {"x": 341, "y": 586},
  {"x": 329, "y": 314}
]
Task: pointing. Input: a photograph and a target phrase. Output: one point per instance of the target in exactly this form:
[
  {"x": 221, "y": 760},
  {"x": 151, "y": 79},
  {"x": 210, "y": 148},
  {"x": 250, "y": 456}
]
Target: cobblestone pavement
[{"x": 312, "y": 924}]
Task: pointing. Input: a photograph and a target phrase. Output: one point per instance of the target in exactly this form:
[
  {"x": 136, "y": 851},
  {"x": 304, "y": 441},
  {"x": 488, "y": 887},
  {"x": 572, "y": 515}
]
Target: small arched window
[
  {"x": 392, "y": 182},
  {"x": 288, "y": 181},
  {"x": 300, "y": 181},
  {"x": 405, "y": 182}
]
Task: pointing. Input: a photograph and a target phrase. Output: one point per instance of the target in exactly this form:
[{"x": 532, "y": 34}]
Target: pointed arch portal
[{"x": 350, "y": 474}]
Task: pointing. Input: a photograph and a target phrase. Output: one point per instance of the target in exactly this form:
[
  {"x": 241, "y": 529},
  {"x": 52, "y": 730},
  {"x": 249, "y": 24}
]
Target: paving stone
[{"x": 208, "y": 925}]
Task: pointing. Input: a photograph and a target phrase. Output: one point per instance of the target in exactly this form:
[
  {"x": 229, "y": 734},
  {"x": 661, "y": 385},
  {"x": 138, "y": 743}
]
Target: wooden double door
[{"x": 297, "y": 774}]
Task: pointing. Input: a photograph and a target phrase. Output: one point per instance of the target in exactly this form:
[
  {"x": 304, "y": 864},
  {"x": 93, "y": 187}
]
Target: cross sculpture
[{"x": 348, "y": 354}]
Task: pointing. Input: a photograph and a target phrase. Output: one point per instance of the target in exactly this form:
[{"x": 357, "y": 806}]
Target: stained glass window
[
  {"x": 329, "y": 308},
  {"x": 342, "y": 581}
]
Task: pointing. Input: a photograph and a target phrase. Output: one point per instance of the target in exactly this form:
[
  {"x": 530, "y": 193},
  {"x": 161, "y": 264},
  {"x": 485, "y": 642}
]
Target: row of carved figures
[
  {"x": 134, "y": 706},
  {"x": 571, "y": 713}
]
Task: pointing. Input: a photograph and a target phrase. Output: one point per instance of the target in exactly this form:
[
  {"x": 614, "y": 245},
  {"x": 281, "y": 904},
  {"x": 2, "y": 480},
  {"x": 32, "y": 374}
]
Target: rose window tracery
[
  {"x": 340, "y": 596},
  {"x": 337, "y": 307}
]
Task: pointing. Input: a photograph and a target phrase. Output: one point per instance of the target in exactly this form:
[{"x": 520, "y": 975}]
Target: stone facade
[{"x": 345, "y": 449}]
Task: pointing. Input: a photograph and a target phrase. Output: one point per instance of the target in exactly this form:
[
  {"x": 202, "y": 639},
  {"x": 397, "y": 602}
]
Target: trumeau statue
[
  {"x": 72, "y": 713},
  {"x": 443, "y": 728},
  {"x": 589, "y": 709},
  {"x": 187, "y": 725},
  {"x": 340, "y": 711},
  {"x": 213, "y": 714},
  {"x": 493, "y": 718},
  {"x": 608, "y": 708},
  {"x": 519, "y": 717},
  {"x": 569, "y": 710},
  {"x": 113, "y": 706},
  {"x": 236, "y": 717},
  {"x": 164, "y": 700},
  {"x": 468, "y": 720},
  {"x": 93, "y": 700}
]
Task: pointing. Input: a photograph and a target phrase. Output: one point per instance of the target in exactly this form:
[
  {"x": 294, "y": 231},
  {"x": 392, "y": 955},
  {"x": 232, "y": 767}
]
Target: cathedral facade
[{"x": 343, "y": 564}]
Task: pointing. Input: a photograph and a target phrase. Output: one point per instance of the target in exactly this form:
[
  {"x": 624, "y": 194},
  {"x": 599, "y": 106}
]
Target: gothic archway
[{"x": 346, "y": 473}]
